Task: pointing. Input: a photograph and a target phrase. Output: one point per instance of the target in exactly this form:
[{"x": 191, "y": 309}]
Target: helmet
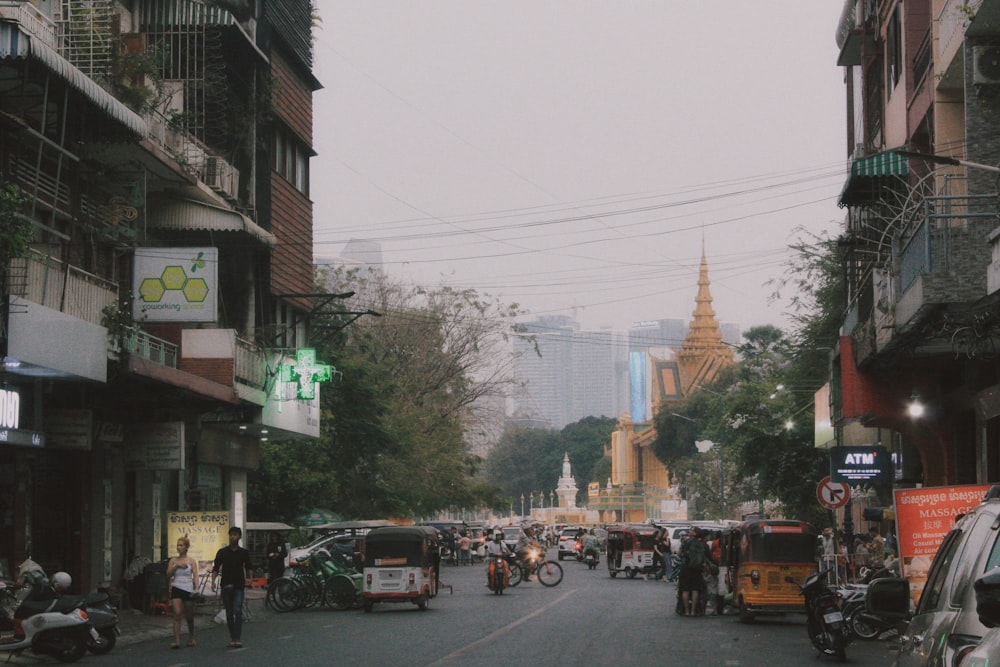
[
  {"x": 497, "y": 535},
  {"x": 61, "y": 581}
]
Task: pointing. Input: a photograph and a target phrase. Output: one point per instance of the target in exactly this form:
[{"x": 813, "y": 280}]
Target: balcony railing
[
  {"x": 63, "y": 287},
  {"x": 31, "y": 20},
  {"x": 151, "y": 348},
  {"x": 249, "y": 364},
  {"x": 948, "y": 224}
]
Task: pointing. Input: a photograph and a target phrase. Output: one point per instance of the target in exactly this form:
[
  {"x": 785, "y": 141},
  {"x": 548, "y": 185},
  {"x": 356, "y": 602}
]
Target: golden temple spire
[{"x": 703, "y": 353}]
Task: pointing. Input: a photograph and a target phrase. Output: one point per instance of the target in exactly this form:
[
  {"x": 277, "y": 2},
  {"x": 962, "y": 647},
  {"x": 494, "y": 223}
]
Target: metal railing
[
  {"x": 64, "y": 287},
  {"x": 249, "y": 364},
  {"x": 31, "y": 20},
  {"x": 151, "y": 348}
]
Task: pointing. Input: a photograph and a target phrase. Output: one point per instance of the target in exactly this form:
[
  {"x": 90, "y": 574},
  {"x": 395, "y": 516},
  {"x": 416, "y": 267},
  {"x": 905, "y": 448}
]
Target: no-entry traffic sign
[{"x": 832, "y": 495}]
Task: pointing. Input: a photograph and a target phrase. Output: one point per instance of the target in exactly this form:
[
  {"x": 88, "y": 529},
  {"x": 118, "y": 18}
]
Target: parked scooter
[
  {"x": 57, "y": 628},
  {"x": 825, "y": 624},
  {"x": 102, "y": 615}
]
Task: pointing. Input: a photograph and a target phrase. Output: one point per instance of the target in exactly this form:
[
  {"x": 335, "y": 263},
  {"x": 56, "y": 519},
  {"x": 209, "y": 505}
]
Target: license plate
[
  {"x": 94, "y": 634},
  {"x": 833, "y": 617}
]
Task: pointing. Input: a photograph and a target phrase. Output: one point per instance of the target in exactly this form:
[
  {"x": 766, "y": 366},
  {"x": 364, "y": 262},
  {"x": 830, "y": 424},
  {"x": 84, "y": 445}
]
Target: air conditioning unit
[
  {"x": 986, "y": 64},
  {"x": 221, "y": 176}
]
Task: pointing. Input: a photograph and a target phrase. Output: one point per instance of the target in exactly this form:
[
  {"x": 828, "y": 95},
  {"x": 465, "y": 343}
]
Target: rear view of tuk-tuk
[
  {"x": 401, "y": 565},
  {"x": 760, "y": 556}
]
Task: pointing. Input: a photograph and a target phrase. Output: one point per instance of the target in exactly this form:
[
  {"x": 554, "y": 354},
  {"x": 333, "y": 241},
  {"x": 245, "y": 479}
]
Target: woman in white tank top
[{"x": 182, "y": 571}]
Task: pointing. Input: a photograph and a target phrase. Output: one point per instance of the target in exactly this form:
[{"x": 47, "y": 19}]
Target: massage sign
[{"x": 10, "y": 422}]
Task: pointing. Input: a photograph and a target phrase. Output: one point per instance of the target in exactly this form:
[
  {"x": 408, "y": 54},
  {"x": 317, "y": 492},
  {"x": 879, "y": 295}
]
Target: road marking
[{"x": 496, "y": 633}]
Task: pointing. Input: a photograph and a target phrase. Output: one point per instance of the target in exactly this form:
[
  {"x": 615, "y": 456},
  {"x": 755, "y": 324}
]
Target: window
[
  {"x": 290, "y": 159},
  {"x": 893, "y": 50}
]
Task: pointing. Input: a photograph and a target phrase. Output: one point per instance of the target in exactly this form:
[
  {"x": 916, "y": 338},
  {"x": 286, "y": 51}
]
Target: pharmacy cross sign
[{"x": 305, "y": 372}]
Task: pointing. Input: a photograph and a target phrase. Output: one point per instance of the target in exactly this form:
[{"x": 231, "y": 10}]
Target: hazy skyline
[{"x": 571, "y": 156}]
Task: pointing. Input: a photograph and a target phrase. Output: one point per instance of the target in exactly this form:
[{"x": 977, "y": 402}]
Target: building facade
[
  {"x": 921, "y": 238},
  {"x": 156, "y": 155}
]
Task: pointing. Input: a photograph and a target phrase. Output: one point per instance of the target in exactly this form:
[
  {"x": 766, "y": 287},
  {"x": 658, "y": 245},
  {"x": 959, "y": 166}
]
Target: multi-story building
[
  {"x": 160, "y": 151},
  {"x": 921, "y": 236}
]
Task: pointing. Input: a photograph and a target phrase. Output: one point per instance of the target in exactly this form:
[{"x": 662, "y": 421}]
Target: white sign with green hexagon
[{"x": 175, "y": 284}]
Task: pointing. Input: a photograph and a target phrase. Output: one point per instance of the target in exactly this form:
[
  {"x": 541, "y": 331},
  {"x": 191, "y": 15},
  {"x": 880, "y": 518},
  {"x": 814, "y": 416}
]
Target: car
[
  {"x": 511, "y": 536},
  {"x": 677, "y": 535},
  {"x": 567, "y": 541},
  {"x": 946, "y": 624},
  {"x": 345, "y": 544}
]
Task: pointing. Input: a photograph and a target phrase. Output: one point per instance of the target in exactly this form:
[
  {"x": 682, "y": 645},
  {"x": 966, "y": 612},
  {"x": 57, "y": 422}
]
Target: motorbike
[
  {"x": 591, "y": 558},
  {"x": 825, "y": 623},
  {"x": 498, "y": 574},
  {"x": 104, "y": 617},
  {"x": 58, "y": 628}
]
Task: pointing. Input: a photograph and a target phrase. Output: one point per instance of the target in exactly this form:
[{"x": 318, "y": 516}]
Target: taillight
[
  {"x": 413, "y": 579},
  {"x": 962, "y": 645},
  {"x": 368, "y": 579},
  {"x": 755, "y": 577}
]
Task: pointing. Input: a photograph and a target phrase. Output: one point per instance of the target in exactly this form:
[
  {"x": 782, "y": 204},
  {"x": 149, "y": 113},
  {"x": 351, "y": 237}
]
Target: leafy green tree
[
  {"x": 527, "y": 460},
  {"x": 411, "y": 381}
]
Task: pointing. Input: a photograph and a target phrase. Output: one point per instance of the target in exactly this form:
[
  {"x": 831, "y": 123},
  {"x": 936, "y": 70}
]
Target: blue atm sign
[{"x": 859, "y": 464}]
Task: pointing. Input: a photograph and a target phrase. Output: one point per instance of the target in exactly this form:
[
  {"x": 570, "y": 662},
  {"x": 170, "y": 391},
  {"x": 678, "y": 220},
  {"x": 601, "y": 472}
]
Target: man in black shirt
[{"x": 234, "y": 564}]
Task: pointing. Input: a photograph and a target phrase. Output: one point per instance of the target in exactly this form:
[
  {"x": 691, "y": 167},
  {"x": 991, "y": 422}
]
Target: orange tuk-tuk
[
  {"x": 757, "y": 557},
  {"x": 630, "y": 549}
]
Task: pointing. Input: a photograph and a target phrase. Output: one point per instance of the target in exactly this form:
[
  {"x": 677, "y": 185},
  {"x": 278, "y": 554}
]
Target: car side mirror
[
  {"x": 987, "y": 589},
  {"x": 889, "y": 598}
]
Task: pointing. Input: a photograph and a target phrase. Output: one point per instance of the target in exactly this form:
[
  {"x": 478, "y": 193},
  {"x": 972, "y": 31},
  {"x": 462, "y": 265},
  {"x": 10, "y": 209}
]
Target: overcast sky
[{"x": 570, "y": 156}]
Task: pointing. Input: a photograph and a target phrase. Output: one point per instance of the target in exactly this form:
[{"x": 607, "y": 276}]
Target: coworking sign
[{"x": 304, "y": 373}]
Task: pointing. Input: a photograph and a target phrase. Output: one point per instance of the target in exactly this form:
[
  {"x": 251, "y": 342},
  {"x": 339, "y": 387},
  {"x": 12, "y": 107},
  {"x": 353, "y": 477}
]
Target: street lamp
[
  {"x": 552, "y": 498},
  {"x": 531, "y": 502},
  {"x": 522, "y": 505},
  {"x": 704, "y": 446}
]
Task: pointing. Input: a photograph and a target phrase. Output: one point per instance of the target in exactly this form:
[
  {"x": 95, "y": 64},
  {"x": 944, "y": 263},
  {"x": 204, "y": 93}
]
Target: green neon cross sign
[{"x": 305, "y": 372}]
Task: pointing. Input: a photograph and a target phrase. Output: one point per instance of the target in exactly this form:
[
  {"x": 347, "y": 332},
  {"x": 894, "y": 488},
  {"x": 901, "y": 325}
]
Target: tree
[
  {"x": 530, "y": 459},
  {"x": 412, "y": 379}
]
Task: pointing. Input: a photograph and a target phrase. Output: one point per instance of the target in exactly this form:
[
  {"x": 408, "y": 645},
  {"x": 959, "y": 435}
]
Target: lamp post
[
  {"x": 531, "y": 502},
  {"x": 552, "y": 498},
  {"x": 522, "y": 505}
]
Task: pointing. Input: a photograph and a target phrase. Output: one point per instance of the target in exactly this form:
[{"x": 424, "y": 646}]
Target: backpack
[{"x": 695, "y": 555}]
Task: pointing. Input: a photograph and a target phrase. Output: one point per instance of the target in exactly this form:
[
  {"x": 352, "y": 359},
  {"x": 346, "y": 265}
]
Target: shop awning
[
  {"x": 869, "y": 175},
  {"x": 14, "y": 43},
  {"x": 188, "y": 215}
]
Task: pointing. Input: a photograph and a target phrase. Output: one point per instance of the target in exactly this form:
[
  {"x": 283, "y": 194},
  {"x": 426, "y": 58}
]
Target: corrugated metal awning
[
  {"x": 14, "y": 43},
  {"x": 869, "y": 175},
  {"x": 186, "y": 214}
]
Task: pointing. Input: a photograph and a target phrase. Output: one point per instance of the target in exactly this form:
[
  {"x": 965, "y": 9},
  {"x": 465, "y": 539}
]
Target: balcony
[
  {"x": 49, "y": 282},
  {"x": 150, "y": 348},
  {"x": 945, "y": 259}
]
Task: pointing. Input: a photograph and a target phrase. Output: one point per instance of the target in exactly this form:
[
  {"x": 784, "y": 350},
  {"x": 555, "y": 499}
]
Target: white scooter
[{"x": 57, "y": 628}]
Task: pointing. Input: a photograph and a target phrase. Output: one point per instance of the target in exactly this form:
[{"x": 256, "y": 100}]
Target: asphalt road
[{"x": 589, "y": 618}]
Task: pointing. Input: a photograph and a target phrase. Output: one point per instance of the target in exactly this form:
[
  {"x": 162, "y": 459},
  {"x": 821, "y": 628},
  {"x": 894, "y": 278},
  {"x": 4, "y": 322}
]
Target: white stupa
[{"x": 566, "y": 488}]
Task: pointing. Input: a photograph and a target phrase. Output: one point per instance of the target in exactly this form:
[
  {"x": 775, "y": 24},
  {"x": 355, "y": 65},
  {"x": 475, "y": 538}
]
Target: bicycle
[{"x": 548, "y": 572}]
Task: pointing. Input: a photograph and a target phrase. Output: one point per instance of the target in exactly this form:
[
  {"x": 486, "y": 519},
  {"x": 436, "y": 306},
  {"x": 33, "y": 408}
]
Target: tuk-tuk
[
  {"x": 401, "y": 564},
  {"x": 758, "y": 555},
  {"x": 630, "y": 549}
]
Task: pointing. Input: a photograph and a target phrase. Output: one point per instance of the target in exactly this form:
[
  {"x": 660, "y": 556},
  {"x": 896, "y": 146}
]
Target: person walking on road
[
  {"x": 276, "y": 553},
  {"x": 691, "y": 583},
  {"x": 234, "y": 564},
  {"x": 182, "y": 571}
]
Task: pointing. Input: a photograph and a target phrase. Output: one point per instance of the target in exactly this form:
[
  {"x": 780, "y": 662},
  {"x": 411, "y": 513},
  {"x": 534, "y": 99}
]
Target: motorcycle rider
[
  {"x": 590, "y": 544},
  {"x": 525, "y": 543},
  {"x": 493, "y": 549}
]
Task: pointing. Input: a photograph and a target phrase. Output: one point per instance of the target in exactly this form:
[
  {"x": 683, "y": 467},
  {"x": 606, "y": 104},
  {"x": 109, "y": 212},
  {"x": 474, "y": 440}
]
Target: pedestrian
[
  {"x": 710, "y": 574},
  {"x": 276, "y": 552},
  {"x": 464, "y": 548},
  {"x": 691, "y": 583},
  {"x": 233, "y": 562},
  {"x": 182, "y": 572},
  {"x": 659, "y": 562},
  {"x": 826, "y": 551},
  {"x": 876, "y": 546}
]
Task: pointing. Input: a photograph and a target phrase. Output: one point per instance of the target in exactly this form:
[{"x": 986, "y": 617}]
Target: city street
[{"x": 589, "y": 617}]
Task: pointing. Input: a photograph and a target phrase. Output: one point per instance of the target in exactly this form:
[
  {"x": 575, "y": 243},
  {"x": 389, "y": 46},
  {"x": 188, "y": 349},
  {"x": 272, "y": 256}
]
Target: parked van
[{"x": 946, "y": 625}]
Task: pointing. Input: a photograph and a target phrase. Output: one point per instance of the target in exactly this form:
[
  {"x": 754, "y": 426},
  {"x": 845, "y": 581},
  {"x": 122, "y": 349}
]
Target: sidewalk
[{"x": 137, "y": 626}]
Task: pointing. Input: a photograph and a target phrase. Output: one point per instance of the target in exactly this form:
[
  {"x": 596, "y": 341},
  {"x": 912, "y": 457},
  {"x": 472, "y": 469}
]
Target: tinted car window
[
  {"x": 985, "y": 539},
  {"x": 931, "y": 598}
]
